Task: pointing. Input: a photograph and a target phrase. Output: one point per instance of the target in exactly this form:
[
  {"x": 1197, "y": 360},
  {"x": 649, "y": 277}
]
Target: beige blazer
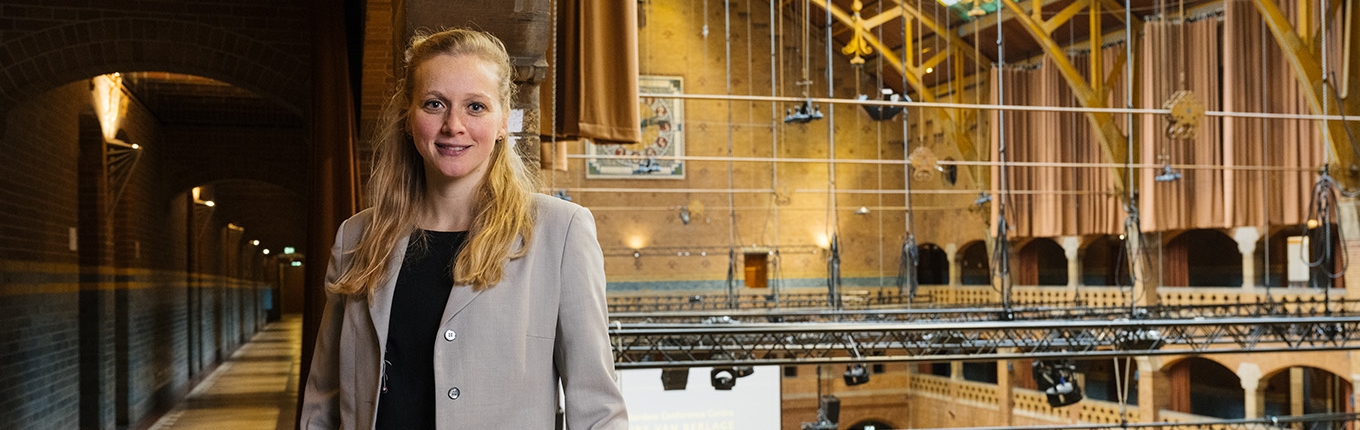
[{"x": 499, "y": 354}]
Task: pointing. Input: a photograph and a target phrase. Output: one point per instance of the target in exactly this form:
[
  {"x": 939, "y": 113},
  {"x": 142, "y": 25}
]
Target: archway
[
  {"x": 1204, "y": 387},
  {"x": 1042, "y": 262},
  {"x": 1306, "y": 390},
  {"x": 1105, "y": 262},
  {"x": 975, "y": 265},
  {"x": 1202, "y": 258},
  {"x": 932, "y": 268}
]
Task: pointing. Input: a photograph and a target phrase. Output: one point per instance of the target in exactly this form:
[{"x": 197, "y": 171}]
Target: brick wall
[{"x": 105, "y": 341}]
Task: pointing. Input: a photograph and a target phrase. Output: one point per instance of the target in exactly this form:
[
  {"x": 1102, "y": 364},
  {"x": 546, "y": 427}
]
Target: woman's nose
[{"x": 451, "y": 124}]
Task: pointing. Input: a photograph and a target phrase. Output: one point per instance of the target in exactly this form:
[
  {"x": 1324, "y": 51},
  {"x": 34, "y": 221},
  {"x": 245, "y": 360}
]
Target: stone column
[
  {"x": 1072, "y": 250},
  {"x": 1254, "y": 398},
  {"x": 1246, "y": 238}
]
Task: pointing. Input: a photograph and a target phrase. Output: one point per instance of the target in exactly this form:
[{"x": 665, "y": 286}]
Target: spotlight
[
  {"x": 803, "y": 113},
  {"x": 1168, "y": 174},
  {"x": 1058, "y": 381},
  {"x": 674, "y": 378},
  {"x": 882, "y": 113},
  {"x": 743, "y": 371},
  {"x": 723, "y": 378},
  {"x": 1139, "y": 339},
  {"x": 856, "y": 374}
]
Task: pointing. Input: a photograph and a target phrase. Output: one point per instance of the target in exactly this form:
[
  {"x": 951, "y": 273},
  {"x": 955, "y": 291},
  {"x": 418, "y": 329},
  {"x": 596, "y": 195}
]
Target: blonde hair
[{"x": 503, "y": 201}]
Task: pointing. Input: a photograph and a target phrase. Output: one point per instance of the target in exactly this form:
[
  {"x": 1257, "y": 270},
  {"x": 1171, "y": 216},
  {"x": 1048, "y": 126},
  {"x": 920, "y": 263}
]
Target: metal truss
[
  {"x": 1307, "y": 422},
  {"x": 651, "y": 345},
  {"x": 897, "y": 308},
  {"x": 702, "y": 302}
]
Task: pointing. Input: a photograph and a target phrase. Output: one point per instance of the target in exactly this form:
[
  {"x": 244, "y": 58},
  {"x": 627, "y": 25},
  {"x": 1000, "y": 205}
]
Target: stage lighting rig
[
  {"x": 883, "y": 113},
  {"x": 674, "y": 378},
  {"x": 856, "y": 374},
  {"x": 723, "y": 378},
  {"x": 1058, "y": 381},
  {"x": 803, "y": 113}
]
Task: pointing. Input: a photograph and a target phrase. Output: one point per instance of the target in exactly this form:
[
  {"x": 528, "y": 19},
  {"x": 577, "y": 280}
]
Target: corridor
[{"x": 255, "y": 389}]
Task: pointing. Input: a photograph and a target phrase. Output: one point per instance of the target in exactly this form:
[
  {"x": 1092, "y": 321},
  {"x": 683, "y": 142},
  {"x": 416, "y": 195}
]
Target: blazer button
[
  {"x": 450, "y": 335},
  {"x": 454, "y": 393}
]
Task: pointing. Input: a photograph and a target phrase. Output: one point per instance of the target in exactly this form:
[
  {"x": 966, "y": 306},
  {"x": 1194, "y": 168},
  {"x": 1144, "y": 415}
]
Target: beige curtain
[
  {"x": 1258, "y": 78},
  {"x": 1178, "y": 57},
  {"x": 1047, "y": 201},
  {"x": 596, "y": 83}
]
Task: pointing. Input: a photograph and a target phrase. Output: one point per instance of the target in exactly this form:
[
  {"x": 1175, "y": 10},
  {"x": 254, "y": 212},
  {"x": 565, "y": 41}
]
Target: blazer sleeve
[
  {"x": 321, "y": 401},
  {"x": 582, "y": 351}
]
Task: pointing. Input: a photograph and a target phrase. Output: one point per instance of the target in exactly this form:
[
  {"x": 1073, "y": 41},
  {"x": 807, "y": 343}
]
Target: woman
[{"x": 461, "y": 298}]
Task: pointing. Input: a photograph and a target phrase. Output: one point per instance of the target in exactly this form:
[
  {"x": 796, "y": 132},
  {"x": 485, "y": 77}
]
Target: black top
[{"x": 423, "y": 286}]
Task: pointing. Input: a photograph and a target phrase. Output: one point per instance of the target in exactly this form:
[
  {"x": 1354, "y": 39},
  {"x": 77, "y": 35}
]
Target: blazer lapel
[
  {"x": 459, "y": 298},
  {"x": 380, "y": 308},
  {"x": 462, "y": 295}
]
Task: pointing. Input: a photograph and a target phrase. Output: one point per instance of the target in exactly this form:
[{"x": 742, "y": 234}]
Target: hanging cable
[
  {"x": 833, "y": 223},
  {"x": 1001, "y": 250},
  {"x": 775, "y": 286},
  {"x": 731, "y": 196},
  {"x": 908, "y": 263}
]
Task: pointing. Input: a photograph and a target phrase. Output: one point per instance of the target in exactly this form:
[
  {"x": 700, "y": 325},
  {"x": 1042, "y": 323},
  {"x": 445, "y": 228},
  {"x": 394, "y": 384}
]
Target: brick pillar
[
  {"x": 1005, "y": 391},
  {"x": 1350, "y": 240},
  {"x": 1154, "y": 388},
  {"x": 97, "y": 344}
]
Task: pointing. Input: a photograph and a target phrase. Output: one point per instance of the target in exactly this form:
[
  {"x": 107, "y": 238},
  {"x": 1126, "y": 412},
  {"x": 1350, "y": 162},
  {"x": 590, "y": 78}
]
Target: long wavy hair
[{"x": 503, "y": 202}]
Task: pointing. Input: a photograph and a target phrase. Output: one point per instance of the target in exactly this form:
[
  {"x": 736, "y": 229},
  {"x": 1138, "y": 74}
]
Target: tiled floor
[{"x": 256, "y": 389}]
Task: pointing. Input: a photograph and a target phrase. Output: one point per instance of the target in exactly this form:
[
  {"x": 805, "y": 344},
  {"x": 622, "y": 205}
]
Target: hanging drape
[
  {"x": 596, "y": 81},
  {"x": 1027, "y": 269},
  {"x": 1176, "y": 264},
  {"x": 1178, "y": 377},
  {"x": 1258, "y": 78},
  {"x": 1181, "y": 57},
  {"x": 1231, "y": 64},
  {"x": 1045, "y": 201}
]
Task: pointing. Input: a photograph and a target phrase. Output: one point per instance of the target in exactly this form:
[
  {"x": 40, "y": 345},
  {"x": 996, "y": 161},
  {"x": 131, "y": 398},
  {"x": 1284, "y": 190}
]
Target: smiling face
[{"x": 455, "y": 117}]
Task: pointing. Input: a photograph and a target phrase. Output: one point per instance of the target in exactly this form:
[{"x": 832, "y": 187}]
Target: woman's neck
[{"x": 448, "y": 207}]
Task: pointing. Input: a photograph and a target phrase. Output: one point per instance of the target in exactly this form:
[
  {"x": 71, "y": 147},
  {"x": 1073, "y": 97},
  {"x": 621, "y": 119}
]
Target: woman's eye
[
  {"x": 477, "y": 107},
  {"x": 433, "y": 104}
]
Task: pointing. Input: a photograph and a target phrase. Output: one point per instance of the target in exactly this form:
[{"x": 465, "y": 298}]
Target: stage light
[
  {"x": 674, "y": 378},
  {"x": 856, "y": 374},
  {"x": 1058, "y": 381},
  {"x": 723, "y": 378},
  {"x": 883, "y": 113}
]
